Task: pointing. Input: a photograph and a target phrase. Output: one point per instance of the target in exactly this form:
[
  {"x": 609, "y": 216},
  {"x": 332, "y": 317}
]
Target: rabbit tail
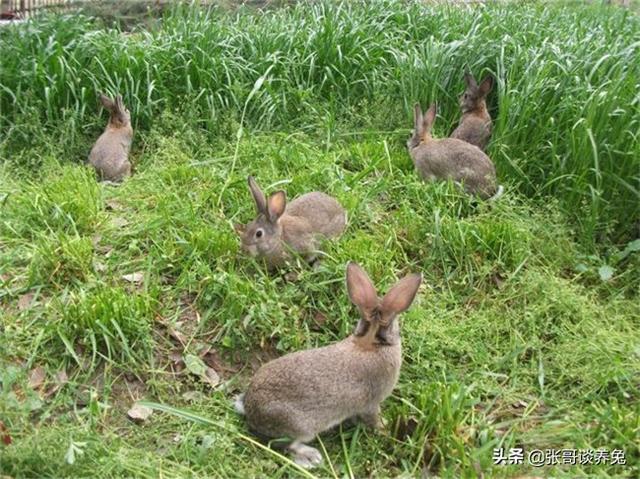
[
  {"x": 238, "y": 404},
  {"x": 498, "y": 193}
]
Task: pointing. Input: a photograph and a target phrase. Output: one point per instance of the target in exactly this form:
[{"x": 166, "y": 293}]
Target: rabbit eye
[{"x": 259, "y": 233}]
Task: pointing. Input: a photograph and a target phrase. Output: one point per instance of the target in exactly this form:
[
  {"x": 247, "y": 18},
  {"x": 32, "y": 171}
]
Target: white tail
[
  {"x": 498, "y": 194},
  {"x": 238, "y": 403},
  {"x": 111, "y": 183}
]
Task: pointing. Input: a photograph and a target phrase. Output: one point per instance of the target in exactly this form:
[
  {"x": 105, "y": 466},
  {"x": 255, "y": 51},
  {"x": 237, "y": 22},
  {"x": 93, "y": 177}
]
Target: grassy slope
[{"x": 508, "y": 343}]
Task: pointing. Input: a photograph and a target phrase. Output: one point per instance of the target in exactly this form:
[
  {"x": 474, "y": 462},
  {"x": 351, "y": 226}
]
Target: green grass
[
  {"x": 515, "y": 340},
  {"x": 565, "y": 105}
]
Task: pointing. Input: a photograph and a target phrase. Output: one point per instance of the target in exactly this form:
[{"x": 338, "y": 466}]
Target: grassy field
[{"x": 526, "y": 332}]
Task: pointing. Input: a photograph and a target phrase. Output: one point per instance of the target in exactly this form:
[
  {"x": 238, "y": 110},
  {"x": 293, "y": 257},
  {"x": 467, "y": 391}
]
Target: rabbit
[
  {"x": 450, "y": 158},
  {"x": 475, "y": 123},
  {"x": 302, "y": 394},
  {"x": 297, "y": 227},
  {"x": 110, "y": 154}
]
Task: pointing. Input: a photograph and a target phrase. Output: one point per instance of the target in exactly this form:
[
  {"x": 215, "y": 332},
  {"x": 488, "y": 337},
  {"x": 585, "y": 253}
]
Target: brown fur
[
  {"x": 304, "y": 393},
  {"x": 449, "y": 158},
  {"x": 475, "y": 124},
  {"x": 110, "y": 154},
  {"x": 297, "y": 227}
]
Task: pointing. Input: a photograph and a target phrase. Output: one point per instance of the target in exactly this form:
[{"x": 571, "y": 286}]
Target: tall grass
[{"x": 565, "y": 106}]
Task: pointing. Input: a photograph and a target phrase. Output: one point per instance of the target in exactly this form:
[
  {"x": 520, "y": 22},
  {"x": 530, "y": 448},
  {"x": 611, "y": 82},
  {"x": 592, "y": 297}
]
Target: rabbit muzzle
[{"x": 251, "y": 249}]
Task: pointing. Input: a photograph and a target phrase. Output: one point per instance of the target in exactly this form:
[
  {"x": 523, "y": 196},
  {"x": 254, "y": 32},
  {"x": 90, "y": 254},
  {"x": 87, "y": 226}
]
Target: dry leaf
[
  {"x": 139, "y": 413},
  {"x": 4, "y": 434},
  {"x": 205, "y": 349},
  {"x": 173, "y": 332},
  {"x": 112, "y": 205},
  {"x": 25, "y": 301},
  {"x": 135, "y": 278},
  {"x": 212, "y": 358},
  {"x": 106, "y": 250},
  {"x": 61, "y": 379},
  {"x": 119, "y": 222},
  {"x": 319, "y": 319},
  {"x": 177, "y": 364},
  {"x": 519, "y": 404},
  {"x": 211, "y": 377},
  {"x": 36, "y": 377},
  {"x": 99, "y": 267},
  {"x": 177, "y": 335}
]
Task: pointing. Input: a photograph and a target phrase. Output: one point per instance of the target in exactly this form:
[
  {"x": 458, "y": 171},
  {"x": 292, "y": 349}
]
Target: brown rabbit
[
  {"x": 110, "y": 154},
  {"x": 475, "y": 123},
  {"x": 305, "y": 393},
  {"x": 450, "y": 158},
  {"x": 297, "y": 227}
]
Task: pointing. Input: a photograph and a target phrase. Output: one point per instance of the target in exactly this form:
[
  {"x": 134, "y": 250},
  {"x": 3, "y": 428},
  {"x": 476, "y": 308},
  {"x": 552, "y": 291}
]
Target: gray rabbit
[
  {"x": 475, "y": 123},
  {"x": 450, "y": 158},
  {"x": 307, "y": 392},
  {"x": 110, "y": 154},
  {"x": 298, "y": 227}
]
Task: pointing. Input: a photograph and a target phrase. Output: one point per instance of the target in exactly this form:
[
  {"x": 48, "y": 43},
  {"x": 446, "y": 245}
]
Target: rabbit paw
[
  {"x": 306, "y": 456},
  {"x": 374, "y": 421}
]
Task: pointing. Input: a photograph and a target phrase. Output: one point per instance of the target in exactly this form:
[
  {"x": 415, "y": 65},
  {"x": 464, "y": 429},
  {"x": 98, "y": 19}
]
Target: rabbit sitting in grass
[
  {"x": 450, "y": 158},
  {"x": 307, "y": 392},
  {"x": 298, "y": 227},
  {"x": 475, "y": 123},
  {"x": 110, "y": 154}
]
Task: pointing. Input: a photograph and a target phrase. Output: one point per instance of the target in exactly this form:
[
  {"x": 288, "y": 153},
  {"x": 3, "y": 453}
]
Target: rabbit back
[
  {"x": 451, "y": 158},
  {"x": 110, "y": 154},
  {"x": 473, "y": 129},
  {"x": 323, "y": 213},
  {"x": 307, "y": 392}
]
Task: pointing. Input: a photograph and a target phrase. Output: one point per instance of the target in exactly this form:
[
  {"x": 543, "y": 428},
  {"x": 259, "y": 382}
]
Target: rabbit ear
[
  {"x": 107, "y": 102},
  {"x": 400, "y": 297},
  {"x": 469, "y": 80},
  {"x": 361, "y": 290},
  {"x": 417, "y": 118},
  {"x": 486, "y": 85},
  {"x": 119, "y": 103},
  {"x": 258, "y": 196},
  {"x": 429, "y": 117},
  {"x": 276, "y": 205}
]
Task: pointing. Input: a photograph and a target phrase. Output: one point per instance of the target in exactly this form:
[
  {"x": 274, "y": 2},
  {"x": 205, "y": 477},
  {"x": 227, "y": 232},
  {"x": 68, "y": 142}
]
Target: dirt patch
[{"x": 126, "y": 389}]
